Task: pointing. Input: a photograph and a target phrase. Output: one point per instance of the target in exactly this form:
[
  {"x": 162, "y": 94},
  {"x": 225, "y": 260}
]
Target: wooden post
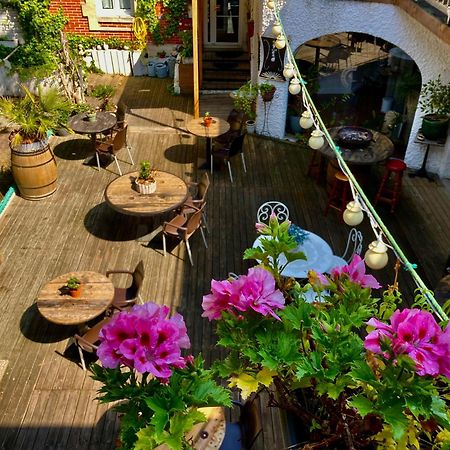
[{"x": 195, "y": 43}]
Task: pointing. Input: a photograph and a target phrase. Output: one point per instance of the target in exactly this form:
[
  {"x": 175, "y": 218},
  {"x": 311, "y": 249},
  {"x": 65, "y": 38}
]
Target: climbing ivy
[{"x": 173, "y": 12}]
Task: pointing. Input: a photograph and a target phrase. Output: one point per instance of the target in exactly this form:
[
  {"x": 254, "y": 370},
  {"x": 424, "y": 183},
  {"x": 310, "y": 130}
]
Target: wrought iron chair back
[
  {"x": 354, "y": 244},
  {"x": 280, "y": 210}
]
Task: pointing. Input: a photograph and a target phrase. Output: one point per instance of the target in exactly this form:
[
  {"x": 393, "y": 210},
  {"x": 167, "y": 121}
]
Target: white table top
[{"x": 319, "y": 257}]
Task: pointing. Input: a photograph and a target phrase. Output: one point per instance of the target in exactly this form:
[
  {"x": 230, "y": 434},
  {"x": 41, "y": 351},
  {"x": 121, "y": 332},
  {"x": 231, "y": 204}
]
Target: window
[{"x": 114, "y": 8}]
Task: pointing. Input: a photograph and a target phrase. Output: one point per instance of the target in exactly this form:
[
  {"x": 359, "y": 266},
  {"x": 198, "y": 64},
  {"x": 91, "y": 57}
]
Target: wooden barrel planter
[{"x": 34, "y": 170}]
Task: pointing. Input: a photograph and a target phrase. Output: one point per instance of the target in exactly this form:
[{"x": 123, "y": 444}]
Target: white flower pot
[{"x": 148, "y": 188}]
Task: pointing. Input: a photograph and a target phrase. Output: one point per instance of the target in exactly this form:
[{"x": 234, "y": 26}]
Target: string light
[
  {"x": 276, "y": 29},
  {"x": 294, "y": 86},
  {"x": 353, "y": 214},
  {"x": 376, "y": 256},
  {"x": 288, "y": 71},
  {"x": 316, "y": 140},
  {"x": 280, "y": 42},
  {"x": 306, "y": 120}
]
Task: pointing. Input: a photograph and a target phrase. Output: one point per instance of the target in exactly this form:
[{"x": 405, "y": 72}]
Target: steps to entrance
[{"x": 225, "y": 69}]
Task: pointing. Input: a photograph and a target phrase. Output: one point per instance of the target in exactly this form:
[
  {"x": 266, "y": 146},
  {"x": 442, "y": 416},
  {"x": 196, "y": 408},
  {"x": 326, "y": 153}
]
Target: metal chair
[
  {"x": 194, "y": 202},
  {"x": 112, "y": 146},
  {"x": 354, "y": 244},
  {"x": 280, "y": 210},
  {"x": 125, "y": 297},
  {"x": 183, "y": 227},
  {"x": 227, "y": 151},
  {"x": 87, "y": 342}
]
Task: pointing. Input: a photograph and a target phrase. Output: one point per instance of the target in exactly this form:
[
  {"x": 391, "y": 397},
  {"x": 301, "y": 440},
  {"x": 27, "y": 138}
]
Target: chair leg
[
  {"x": 164, "y": 244},
  {"x": 98, "y": 161},
  {"x": 80, "y": 351},
  {"x": 243, "y": 162},
  {"x": 204, "y": 221},
  {"x": 117, "y": 163},
  {"x": 204, "y": 238},
  {"x": 229, "y": 170},
  {"x": 211, "y": 164},
  {"x": 188, "y": 248},
  {"x": 129, "y": 153}
]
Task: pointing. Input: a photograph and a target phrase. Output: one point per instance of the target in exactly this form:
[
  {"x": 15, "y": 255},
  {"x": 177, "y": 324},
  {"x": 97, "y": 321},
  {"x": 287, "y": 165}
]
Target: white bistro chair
[{"x": 280, "y": 210}]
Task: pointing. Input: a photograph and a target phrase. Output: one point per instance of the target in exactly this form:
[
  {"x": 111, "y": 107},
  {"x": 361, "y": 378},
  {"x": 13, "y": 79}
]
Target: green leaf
[
  {"x": 362, "y": 404},
  {"x": 145, "y": 439},
  {"x": 395, "y": 417},
  {"x": 440, "y": 412},
  {"x": 361, "y": 371}
]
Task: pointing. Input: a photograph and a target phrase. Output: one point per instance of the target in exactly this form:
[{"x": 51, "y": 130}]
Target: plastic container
[
  {"x": 162, "y": 71},
  {"x": 151, "y": 69}
]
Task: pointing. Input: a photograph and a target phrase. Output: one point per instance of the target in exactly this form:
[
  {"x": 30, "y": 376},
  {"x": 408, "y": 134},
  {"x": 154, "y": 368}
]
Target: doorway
[{"x": 223, "y": 25}]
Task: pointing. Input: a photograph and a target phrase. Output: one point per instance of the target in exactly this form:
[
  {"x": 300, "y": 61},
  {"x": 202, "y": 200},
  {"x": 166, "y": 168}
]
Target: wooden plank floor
[{"x": 46, "y": 400}]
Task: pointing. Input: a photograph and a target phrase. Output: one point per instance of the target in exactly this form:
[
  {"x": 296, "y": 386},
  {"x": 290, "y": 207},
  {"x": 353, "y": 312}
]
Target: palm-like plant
[{"x": 35, "y": 114}]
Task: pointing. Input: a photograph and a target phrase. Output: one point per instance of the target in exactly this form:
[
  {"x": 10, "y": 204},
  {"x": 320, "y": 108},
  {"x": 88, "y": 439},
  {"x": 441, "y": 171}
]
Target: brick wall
[{"x": 80, "y": 25}]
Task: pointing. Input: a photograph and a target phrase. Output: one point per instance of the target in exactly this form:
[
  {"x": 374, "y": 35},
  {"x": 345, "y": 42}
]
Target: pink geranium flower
[
  {"x": 415, "y": 333},
  {"x": 356, "y": 272},
  {"x": 145, "y": 339},
  {"x": 254, "y": 291}
]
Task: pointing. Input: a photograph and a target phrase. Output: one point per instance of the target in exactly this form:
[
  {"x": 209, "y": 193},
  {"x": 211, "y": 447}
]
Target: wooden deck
[{"x": 46, "y": 400}]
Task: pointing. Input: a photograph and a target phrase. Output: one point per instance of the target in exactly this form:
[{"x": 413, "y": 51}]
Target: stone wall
[{"x": 307, "y": 19}]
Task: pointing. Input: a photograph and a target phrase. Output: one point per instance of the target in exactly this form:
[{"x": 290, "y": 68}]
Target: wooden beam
[{"x": 195, "y": 44}]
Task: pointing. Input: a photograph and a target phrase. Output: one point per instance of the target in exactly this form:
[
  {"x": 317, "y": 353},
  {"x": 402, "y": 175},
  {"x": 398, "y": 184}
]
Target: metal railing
[{"x": 441, "y": 5}]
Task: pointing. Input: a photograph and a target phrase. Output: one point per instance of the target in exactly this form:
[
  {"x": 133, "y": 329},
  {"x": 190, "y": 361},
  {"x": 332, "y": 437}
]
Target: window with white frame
[{"x": 114, "y": 8}]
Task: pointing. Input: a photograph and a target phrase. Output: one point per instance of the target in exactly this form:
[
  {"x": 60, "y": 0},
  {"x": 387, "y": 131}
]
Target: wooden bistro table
[
  {"x": 217, "y": 128},
  {"x": 59, "y": 307},
  {"x": 122, "y": 196},
  {"x": 326, "y": 42}
]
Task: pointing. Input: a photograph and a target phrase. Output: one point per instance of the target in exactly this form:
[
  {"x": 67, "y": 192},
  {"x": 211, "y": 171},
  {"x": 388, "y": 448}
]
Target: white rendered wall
[{"x": 307, "y": 19}]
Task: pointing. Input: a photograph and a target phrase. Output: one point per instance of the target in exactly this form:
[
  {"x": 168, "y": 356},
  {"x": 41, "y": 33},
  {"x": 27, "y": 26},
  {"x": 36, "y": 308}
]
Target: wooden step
[
  {"x": 210, "y": 85},
  {"x": 226, "y": 75}
]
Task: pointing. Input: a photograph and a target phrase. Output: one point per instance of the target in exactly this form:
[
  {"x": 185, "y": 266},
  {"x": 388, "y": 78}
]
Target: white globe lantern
[
  {"x": 353, "y": 214},
  {"x": 306, "y": 120},
  {"x": 288, "y": 71},
  {"x": 294, "y": 86},
  {"x": 276, "y": 29},
  {"x": 376, "y": 256},
  {"x": 271, "y": 5},
  {"x": 316, "y": 140},
  {"x": 280, "y": 42}
]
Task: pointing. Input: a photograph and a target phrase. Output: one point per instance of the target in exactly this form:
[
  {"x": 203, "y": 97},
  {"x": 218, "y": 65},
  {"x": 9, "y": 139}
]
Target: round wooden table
[
  {"x": 59, "y": 307},
  {"x": 379, "y": 149},
  {"x": 121, "y": 195},
  {"x": 217, "y": 128},
  {"x": 104, "y": 121},
  {"x": 326, "y": 42}
]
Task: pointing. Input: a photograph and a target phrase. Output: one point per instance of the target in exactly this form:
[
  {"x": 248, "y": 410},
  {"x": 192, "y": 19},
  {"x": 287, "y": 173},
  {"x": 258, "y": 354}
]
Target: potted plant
[
  {"x": 33, "y": 117},
  {"x": 244, "y": 100},
  {"x": 158, "y": 391},
  {"x": 186, "y": 66},
  {"x": 435, "y": 102},
  {"x": 104, "y": 93},
  {"x": 91, "y": 114},
  {"x": 353, "y": 370},
  {"x": 145, "y": 182},
  {"x": 74, "y": 286},
  {"x": 267, "y": 91},
  {"x": 207, "y": 119}
]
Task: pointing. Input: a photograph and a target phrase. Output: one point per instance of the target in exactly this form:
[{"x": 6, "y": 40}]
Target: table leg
[
  {"x": 422, "y": 172},
  {"x": 207, "y": 164},
  {"x": 316, "y": 60}
]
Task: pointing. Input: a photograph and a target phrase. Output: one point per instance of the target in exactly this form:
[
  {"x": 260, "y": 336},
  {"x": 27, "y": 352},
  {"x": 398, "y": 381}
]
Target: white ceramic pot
[
  {"x": 250, "y": 126},
  {"x": 146, "y": 188}
]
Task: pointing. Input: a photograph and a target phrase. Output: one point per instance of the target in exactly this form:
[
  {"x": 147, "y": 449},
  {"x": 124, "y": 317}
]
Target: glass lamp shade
[
  {"x": 316, "y": 140},
  {"x": 294, "y": 86},
  {"x": 280, "y": 42},
  {"x": 288, "y": 71},
  {"x": 376, "y": 256},
  {"x": 271, "y": 5},
  {"x": 276, "y": 29},
  {"x": 353, "y": 214},
  {"x": 306, "y": 120}
]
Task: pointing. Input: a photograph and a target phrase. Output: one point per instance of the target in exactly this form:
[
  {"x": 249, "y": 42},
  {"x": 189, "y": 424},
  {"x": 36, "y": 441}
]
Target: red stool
[
  {"x": 389, "y": 191},
  {"x": 339, "y": 194}
]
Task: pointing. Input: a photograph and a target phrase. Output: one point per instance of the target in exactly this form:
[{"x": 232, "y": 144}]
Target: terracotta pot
[
  {"x": 75, "y": 293},
  {"x": 207, "y": 121}
]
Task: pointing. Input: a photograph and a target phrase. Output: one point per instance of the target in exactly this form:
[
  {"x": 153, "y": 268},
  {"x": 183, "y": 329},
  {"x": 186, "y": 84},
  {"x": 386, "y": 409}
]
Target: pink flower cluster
[
  {"x": 415, "y": 333},
  {"x": 254, "y": 291},
  {"x": 145, "y": 339},
  {"x": 355, "y": 272}
]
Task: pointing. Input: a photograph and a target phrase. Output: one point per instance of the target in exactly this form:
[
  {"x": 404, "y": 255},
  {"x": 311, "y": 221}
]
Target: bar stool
[
  {"x": 389, "y": 192},
  {"x": 339, "y": 194}
]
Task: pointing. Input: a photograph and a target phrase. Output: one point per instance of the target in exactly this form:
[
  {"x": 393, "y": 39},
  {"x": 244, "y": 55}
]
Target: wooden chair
[
  {"x": 126, "y": 297},
  {"x": 243, "y": 434},
  {"x": 183, "y": 227},
  {"x": 236, "y": 119},
  {"x": 112, "y": 145},
  {"x": 87, "y": 342},
  {"x": 194, "y": 202},
  {"x": 272, "y": 207},
  {"x": 227, "y": 151}
]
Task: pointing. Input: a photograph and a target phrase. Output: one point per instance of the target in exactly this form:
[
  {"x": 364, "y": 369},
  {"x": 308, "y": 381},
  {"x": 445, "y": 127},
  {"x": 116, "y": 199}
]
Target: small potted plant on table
[
  {"x": 74, "y": 286},
  {"x": 207, "y": 119},
  {"x": 146, "y": 183}
]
